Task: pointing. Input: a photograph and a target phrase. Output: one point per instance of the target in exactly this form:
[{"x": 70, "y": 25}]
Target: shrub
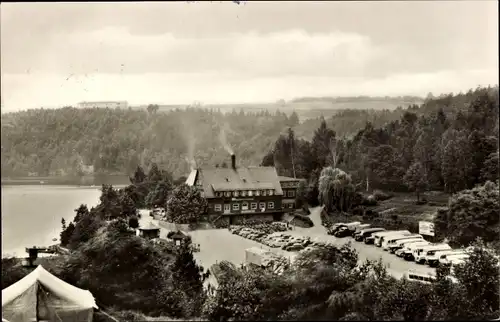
[
  {"x": 302, "y": 219},
  {"x": 379, "y": 195},
  {"x": 133, "y": 222},
  {"x": 369, "y": 201}
]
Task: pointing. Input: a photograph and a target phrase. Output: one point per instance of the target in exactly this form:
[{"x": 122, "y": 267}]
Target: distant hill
[{"x": 308, "y": 107}]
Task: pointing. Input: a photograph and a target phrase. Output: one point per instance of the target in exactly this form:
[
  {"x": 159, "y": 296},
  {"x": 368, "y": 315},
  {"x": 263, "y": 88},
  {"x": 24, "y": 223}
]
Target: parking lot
[{"x": 220, "y": 244}]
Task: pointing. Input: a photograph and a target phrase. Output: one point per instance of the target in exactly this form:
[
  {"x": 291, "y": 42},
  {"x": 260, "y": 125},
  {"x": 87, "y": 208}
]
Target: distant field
[{"x": 305, "y": 109}]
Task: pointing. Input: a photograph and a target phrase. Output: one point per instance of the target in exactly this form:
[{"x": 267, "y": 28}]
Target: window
[
  {"x": 262, "y": 205},
  {"x": 227, "y": 207},
  {"x": 290, "y": 205},
  {"x": 236, "y": 206},
  {"x": 254, "y": 205},
  {"x": 228, "y": 194},
  {"x": 257, "y": 193},
  {"x": 291, "y": 193},
  {"x": 250, "y": 193},
  {"x": 263, "y": 192},
  {"x": 235, "y": 193},
  {"x": 271, "y": 192},
  {"x": 243, "y": 193},
  {"x": 244, "y": 205},
  {"x": 218, "y": 207},
  {"x": 270, "y": 205}
]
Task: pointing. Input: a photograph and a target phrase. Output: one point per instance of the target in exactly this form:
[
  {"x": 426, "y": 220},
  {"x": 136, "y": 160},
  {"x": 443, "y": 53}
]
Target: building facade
[
  {"x": 104, "y": 104},
  {"x": 236, "y": 194}
]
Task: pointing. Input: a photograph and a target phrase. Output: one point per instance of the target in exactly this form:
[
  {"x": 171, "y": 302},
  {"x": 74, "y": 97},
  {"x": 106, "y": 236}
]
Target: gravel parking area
[{"x": 220, "y": 244}]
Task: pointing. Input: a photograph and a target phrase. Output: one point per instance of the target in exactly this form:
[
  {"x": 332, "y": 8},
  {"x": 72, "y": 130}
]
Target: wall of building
[{"x": 224, "y": 202}]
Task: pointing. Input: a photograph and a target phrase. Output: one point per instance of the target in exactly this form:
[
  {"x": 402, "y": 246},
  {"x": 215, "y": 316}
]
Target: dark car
[
  {"x": 335, "y": 228},
  {"x": 343, "y": 232},
  {"x": 358, "y": 236},
  {"x": 370, "y": 240}
]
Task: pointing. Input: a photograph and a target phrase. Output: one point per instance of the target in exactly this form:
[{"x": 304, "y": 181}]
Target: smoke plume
[
  {"x": 223, "y": 138},
  {"x": 190, "y": 139}
]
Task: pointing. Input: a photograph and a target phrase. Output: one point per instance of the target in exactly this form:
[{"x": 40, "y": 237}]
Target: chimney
[{"x": 233, "y": 161}]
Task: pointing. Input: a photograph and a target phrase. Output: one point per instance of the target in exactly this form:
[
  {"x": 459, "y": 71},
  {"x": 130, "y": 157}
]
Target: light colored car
[
  {"x": 433, "y": 259},
  {"x": 420, "y": 255},
  {"x": 449, "y": 259},
  {"x": 382, "y": 235},
  {"x": 400, "y": 244},
  {"x": 391, "y": 241},
  {"x": 409, "y": 247}
]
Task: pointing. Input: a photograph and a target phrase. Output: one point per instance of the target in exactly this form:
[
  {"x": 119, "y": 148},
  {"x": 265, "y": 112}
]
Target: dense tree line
[
  {"x": 441, "y": 145},
  {"x": 452, "y": 147},
  {"x": 329, "y": 285},
  {"x": 116, "y": 141}
]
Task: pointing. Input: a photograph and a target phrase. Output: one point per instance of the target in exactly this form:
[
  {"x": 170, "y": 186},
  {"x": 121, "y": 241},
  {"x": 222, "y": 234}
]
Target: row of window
[
  {"x": 244, "y": 193},
  {"x": 244, "y": 206},
  {"x": 250, "y": 193}
]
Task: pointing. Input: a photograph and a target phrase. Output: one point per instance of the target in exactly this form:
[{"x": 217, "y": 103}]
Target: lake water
[{"x": 31, "y": 215}]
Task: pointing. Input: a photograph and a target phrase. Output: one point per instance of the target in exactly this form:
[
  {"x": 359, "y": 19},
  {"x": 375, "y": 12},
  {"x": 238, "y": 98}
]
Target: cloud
[
  {"x": 171, "y": 53},
  {"x": 51, "y": 90}
]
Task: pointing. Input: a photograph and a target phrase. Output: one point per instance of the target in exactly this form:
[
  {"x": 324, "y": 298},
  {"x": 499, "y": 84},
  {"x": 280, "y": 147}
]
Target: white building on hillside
[{"x": 104, "y": 104}]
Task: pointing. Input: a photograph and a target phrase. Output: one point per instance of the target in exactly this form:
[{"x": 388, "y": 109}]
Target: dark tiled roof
[{"x": 228, "y": 179}]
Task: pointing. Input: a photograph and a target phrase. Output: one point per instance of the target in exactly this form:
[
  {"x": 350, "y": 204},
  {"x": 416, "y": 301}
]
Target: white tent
[{"x": 40, "y": 296}]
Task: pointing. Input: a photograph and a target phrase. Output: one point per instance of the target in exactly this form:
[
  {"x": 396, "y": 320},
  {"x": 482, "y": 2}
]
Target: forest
[
  {"x": 448, "y": 144},
  {"x": 50, "y": 142}
]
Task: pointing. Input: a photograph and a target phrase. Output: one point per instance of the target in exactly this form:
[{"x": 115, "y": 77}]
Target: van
[
  {"x": 433, "y": 260},
  {"x": 447, "y": 260},
  {"x": 426, "y": 278},
  {"x": 399, "y": 243},
  {"x": 352, "y": 226},
  {"x": 381, "y": 236},
  {"x": 391, "y": 241},
  {"x": 367, "y": 233},
  {"x": 415, "y": 276},
  {"x": 360, "y": 228},
  {"x": 420, "y": 255},
  {"x": 408, "y": 247}
]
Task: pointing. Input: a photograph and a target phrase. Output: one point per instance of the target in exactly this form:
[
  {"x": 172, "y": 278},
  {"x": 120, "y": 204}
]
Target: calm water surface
[{"x": 31, "y": 215}]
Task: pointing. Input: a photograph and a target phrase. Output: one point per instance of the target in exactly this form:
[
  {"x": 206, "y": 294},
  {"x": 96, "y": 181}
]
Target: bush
[
  {"x": 358, "y": 211},
  {"x": 302, "y": 219},
  {"x": 379, "y": 195},
  {"x": 133, "y": 222},
  {"x": 369, "y": 201}
]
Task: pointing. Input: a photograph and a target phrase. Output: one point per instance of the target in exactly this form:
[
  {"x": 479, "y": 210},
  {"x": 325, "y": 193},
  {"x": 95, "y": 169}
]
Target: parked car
[
  {"x": 391, "y": 243},
  {"x": 343, "y": 232},
  {"x": 335, "y": 227},
  {"x": 433, "y": 260},
  {"x": 400, "y": 249},
  {"x": 407, "y": 253},
  {"x": 367, "y": 233},
  {"x": 447, "y": 260},
  {"x": 359, "y": 228},
  {"x": 421, "y": 255},
  {"x": 382, "y": 235}
]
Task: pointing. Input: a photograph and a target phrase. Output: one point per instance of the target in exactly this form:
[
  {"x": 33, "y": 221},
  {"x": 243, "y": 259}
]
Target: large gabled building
[{"x": 238, "y": 193}]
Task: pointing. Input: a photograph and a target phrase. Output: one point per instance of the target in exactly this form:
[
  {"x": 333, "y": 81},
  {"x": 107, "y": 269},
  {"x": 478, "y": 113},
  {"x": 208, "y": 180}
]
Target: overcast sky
[{"x": 176, "y": 53}]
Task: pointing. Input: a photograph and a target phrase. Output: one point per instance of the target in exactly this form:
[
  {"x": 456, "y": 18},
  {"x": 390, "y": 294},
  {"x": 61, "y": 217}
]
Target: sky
[{"x": 55, "y": 54}]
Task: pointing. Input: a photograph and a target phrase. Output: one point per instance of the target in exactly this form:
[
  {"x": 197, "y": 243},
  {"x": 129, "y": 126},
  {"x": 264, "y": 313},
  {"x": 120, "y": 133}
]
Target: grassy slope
[{"x": 402, "y": 205}]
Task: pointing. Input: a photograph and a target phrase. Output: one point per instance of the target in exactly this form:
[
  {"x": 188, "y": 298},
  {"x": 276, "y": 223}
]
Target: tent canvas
[{"x": 42, "y": 296}]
